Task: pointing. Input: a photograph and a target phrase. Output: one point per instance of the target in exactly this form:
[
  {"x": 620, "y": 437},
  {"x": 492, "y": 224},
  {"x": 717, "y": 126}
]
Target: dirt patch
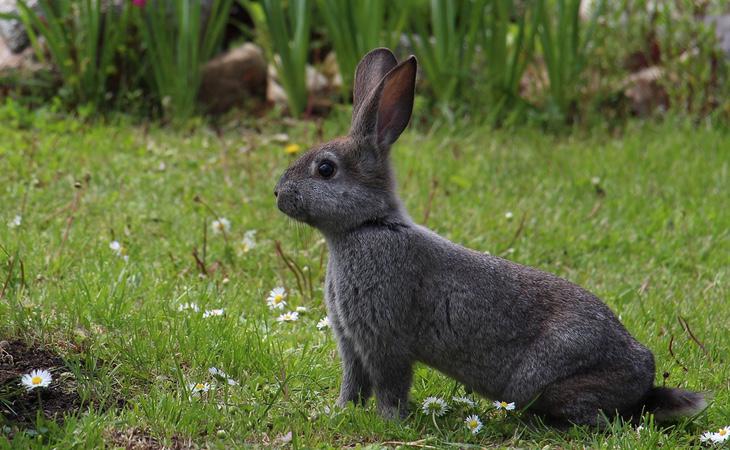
[
  {"x": 19, "y": 406},
  {"x": 138, "y": 439}
]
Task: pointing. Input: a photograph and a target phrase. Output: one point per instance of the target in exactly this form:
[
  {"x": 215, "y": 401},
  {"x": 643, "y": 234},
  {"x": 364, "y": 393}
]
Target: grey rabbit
[{"x": 397, "y": 293}]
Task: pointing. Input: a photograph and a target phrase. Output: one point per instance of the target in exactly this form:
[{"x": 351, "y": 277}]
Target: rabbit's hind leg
[{"x": 590, "y": 398}]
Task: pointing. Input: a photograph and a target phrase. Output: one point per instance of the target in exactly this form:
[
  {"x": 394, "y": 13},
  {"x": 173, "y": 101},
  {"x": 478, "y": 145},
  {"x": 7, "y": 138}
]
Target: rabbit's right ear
[
  {"x": 371, "y": 69},
  {"x": 384, "y": 112}
]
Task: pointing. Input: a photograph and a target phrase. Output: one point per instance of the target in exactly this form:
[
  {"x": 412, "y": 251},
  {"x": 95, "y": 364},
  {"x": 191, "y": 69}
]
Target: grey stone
[
  {"x": 722, "y": 31},
  {"x": 12, "y": 31}
]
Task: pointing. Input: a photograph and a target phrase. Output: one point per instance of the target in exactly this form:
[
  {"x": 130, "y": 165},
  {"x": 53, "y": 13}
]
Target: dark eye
[{"x": 326, "y": 169}]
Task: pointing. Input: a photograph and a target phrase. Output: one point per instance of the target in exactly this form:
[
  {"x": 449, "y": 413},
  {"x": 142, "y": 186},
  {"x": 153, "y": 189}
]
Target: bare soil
[{"x": 17, "y": 405}]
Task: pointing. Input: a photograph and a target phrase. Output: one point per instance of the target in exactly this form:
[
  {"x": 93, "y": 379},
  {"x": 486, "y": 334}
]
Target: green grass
[{"x": 654, "y": 246}]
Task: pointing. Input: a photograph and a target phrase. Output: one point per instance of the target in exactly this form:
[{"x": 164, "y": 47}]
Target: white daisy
[
  {"x": 221, "y": 375},
  {"x": 37, "y": 378},
  {"x": 466, "y": 401},
  {"x": 188, "y": 306},
  {"x": 291, "y": 316},
  {"x": 595, "y": 181},
  {"x": 473, "y": 423},
  {"x": 15, "y": 221},
  {"x": 323, "y": 323},
  {"x": 197, "y": 388},
  {"x": 722, "y": 435},
  {"x": 276, "y": 298},
  {"x": 249, "y": 241},
  {"x": 504, "y": 405},
  {"x": 216, "y": 372},
  {"x": 508, "y": 215},
  {"x": 119, "y": 250},
  {"x": 434, "y": 405},
  {"x": 706, "y": 436},
  {"x": 213, "y": 312},
  {"x": 221, "y": 225}
]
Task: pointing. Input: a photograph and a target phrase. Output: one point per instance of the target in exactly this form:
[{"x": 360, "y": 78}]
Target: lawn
[{"x": 640, "y": 218}]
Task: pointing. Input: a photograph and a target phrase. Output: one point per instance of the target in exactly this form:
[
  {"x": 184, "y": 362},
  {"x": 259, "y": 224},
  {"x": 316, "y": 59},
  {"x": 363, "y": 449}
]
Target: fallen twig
[
  {"x": 685, "y": 325},
  {"x": 429, "y": 203},
  {"x": 518, "y": 232},
  {"x": 671, "y": 352}
]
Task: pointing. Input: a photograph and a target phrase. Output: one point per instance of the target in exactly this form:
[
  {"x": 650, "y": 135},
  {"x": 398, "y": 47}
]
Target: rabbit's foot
[{"x": 398, "y": 411}]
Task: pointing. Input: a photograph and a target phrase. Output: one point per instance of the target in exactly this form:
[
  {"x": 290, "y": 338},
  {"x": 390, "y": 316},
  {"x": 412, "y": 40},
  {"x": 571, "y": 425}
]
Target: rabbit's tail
[{"x": 670, "y": 404}]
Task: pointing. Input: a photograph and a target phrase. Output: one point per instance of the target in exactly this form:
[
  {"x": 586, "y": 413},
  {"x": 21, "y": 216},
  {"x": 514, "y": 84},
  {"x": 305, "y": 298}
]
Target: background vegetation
[{"x": 550, "y": 62}]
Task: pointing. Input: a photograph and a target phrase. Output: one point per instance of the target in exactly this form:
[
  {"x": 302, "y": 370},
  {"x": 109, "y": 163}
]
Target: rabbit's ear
[
  {"x": 386, "y": 110},
  {"x": 371, "y": 69}
]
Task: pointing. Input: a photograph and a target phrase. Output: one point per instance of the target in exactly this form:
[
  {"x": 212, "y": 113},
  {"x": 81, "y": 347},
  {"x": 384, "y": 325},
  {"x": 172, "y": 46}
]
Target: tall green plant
[
  {"x": 565, "y": 42},
  {"x": 507, "y": 51},
  {"x": 83, "y": 40},
  {"x": 178, "y": 43},
  {"x": 283, "y": 29},
  {"x": 446, "y": 50},
  {"x": 354, "y": 27}
]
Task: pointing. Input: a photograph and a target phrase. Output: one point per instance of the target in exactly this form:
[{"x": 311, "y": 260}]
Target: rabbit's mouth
[{"x": 290, "y": 203}]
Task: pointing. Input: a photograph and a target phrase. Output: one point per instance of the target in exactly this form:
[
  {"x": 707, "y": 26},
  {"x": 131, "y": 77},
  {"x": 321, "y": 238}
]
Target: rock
[
  {"x": 645, "y": 91},
  {"x": 275, "y": 93},
  {"x": 722, "y": 31},
  {"x": 23, "y": 61},
  {"x": 233, "y": 77},
  {"x": 316, "y": 82},
  {"x": 12, "y": 31}
]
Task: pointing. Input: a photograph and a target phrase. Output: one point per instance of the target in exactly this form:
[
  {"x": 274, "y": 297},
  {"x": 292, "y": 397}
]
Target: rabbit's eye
[{"x": 326, "y": 169}]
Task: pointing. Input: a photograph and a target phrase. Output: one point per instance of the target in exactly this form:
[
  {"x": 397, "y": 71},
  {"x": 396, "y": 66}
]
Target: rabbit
[{"x": 397, "y": 293}]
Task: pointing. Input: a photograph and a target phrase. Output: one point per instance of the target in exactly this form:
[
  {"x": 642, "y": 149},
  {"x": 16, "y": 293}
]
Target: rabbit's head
[{"x": 348, "y": 181}]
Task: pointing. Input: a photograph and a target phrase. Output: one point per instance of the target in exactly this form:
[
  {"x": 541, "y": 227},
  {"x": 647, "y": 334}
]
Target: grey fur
[{"x": 397, "y": 293}]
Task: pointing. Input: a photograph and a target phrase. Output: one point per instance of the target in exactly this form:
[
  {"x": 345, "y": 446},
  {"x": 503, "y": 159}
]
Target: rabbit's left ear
[{"x": 386, "y": 111}]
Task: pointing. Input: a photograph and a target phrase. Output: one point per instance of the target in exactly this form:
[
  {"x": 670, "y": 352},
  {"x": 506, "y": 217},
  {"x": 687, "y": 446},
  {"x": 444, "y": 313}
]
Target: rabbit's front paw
[{"x": 393, "y": 412}]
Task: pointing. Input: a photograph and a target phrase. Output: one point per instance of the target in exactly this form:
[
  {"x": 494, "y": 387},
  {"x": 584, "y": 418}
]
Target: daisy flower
[
  {"x": 188, "y": 306},
  {"x": 213, "y": 312},
  {"x": 323, "y": 323},
  {"x": 217, "y": 373},
  {"x": 508, "y": 215},
  {"x": 221, "y": 225},
  {"x": 466, "y": 401},
  {"x": 473, "y": 423},
  {"x": 292, "y": 149},
  {"x": 706, "y": 436},
  {"x": 119, "y": 249},
  {"x": 291, "y": 316},
  {"x": 434, "y": 405},
  {"x": 15, "y": 221},
  {"x": 37, "y": 378},
  {"x": 276, "y": 298},
  {"x": 197, "y": 388},
  {"x": 504, "y": 405},
  {"x": 249, "y": 241},
  {"x": 721, "y": 435},
  {"x": 595, "y": 181}
]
